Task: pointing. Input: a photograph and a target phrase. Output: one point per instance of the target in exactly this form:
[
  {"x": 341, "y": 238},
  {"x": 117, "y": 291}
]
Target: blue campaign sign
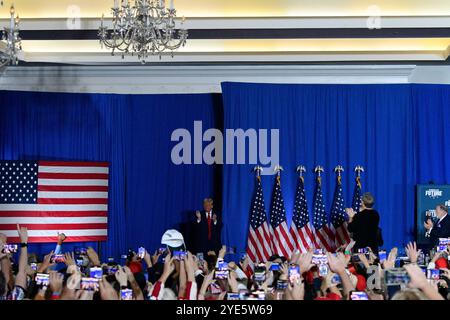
[{"x": 428, "y": 197}]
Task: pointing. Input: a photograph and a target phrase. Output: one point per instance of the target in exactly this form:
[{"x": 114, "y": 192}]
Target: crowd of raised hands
[{"x": 169, "y": 275}]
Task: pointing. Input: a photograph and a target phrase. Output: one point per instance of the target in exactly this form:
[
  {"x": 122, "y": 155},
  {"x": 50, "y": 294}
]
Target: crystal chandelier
[
  {"x": 143, "y": 29},
  {"x": 9, "y": 51}
]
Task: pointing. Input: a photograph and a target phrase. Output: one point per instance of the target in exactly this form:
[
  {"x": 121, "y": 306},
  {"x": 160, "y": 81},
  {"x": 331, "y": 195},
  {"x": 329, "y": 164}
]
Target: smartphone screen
[
  {"x": 336, "y": 279},
  {"x": 319, "y": 259},
  {"x": 113, "y": 269},
  {"x": 323, "y": 270},
  {"x": 96, "y": 273},
  {"x": 382, "y": 255},
  {"x": 34, "y": 266},
  {"x": 221, "y": 271},
  {"x": 126, "y": 294},
  {"x": 179, "y": 255},
  {"x": 294, "y": 273},
  {"x": 141, "y": 252},
  {"x": 396, "y": 276},
  {"x": 200, "y": 256},
  {"x": 282, "y": 284},
  {"x": 58, "y": 258},
  {"x": 433, "y": 274},
  {"x": 42, "y": 279},
  {"x": 359, "y": 295},
  {"x": 10, "y": 248},
  {"x": 232, "y": 296},
  {"x": 274, "y": 267},
  {"x": 90, "y": 284}
]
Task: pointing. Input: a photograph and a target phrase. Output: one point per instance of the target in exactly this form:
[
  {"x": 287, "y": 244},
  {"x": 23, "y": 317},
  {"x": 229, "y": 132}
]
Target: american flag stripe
[
  {"x": 324, "y": 235},
  {"x": 49, "y": 235},
  {"x": 258, "y": 241},
  {"x": 282, "y": 243},
  {"x": 339, "y": 216},
  {"x": 75, "y": 194},
  {"x": 54, "y": 220},
  {"x": 301, "y": 229},
  {"x": 69, "y": 197},
  {"x": 53, "y": 207},
  {"x": 53, "y": 213},
  {"x": 73, "y": 188},
  {"x": 74, "y": 182},
  {"x": 342, "y": 235},
  {"x": 58, "y": 226},
  {"x": 63, "y": 169},
  {"x": 68, "y": 176}
]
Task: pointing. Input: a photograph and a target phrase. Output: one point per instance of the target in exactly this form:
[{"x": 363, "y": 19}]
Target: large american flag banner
[
  {"x": 282, "y": 243},
  {"x": 301, "y": 228},
  {"x": 49, "y": 197},
  {"x": 258, "y": 242},
  {"x": 338, "y": 215},
  {"x": 324, "y": 234}
]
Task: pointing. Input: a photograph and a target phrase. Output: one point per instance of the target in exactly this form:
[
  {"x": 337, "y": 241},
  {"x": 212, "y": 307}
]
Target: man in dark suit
[
  {"x": 364, "y": 224},
  {"x": 208, "y": 226},
  {"x": 440, "y": 229}
]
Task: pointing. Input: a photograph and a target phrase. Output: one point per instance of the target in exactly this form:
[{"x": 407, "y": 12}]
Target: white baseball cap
[{"x": 172, "y": 238}]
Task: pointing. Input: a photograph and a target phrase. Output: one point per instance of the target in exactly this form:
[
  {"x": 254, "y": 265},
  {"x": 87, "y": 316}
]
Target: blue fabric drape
[
  {"x": 148, "y": 194},
  {"x": 397, "y": 132}
]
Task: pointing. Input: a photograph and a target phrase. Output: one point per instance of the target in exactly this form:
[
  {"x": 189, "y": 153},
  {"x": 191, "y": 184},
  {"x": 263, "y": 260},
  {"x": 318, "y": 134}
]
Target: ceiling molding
[
  {"x": 186, "y": 79},
  {"x": 252, "y": 23}
]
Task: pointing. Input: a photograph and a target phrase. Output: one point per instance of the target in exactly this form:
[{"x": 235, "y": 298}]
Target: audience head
[
  {"x": 368, "y": 200},
  {"x": 441, "y": 210}
]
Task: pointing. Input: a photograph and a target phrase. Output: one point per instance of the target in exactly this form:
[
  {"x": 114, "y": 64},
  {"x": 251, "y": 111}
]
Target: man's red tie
[{"x": 209, "y": 226}]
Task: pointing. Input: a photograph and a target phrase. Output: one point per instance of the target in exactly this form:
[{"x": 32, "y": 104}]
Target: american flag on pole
[
  {"x": 356, "y": 202},
  {"x": 324, "y": 234},
  {"x": 301, "y": 229},
  {"x": 338, "y": 215},
  {"x": 282, "y": 243},
  {"x": 49, "y": 197},
  {"x": 258, "y": 242}
]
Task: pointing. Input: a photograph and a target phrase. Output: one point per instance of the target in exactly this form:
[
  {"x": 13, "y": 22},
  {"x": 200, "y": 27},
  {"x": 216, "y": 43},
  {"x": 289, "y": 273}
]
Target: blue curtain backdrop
[
  {"x": 148, "y": 194},
  {"x": 399, "y": 133}
]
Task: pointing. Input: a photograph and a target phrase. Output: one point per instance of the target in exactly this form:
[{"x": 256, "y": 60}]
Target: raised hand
[
  {"x": 61, "y": 238},
  {"x": 232, "y": 282},
  {"x": 418, "y": 278},
  {"x": 23, "y": 234},
  {"x": 107, "y": 292},
  {"x": 305, "y": 261},
  {"x": 296, "y": 290},
  {"x": 56, "y": 282},
  {"x": 389, "y": 263},
  {"x": 46, "y": 263},
  {"x": 336, "y": 264},
  {"x": 412, "y": 252},
  {"x": 93, "y": 256},
  {"x": 198, "y": 215},
  {"x": 222, "y": 252},
  {"x": 69, "y": 259},
  {"x": 121, "y": 277}
]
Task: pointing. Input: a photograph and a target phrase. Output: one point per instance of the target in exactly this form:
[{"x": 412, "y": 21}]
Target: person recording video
[
  {"x": 364, "y": 224},
  {"x": 440, "y": 229}
]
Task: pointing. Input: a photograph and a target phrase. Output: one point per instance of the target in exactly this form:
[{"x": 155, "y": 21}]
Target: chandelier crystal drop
[
  {"x": 11, "y": 44},
  {"x": 142, "y": 28}
]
